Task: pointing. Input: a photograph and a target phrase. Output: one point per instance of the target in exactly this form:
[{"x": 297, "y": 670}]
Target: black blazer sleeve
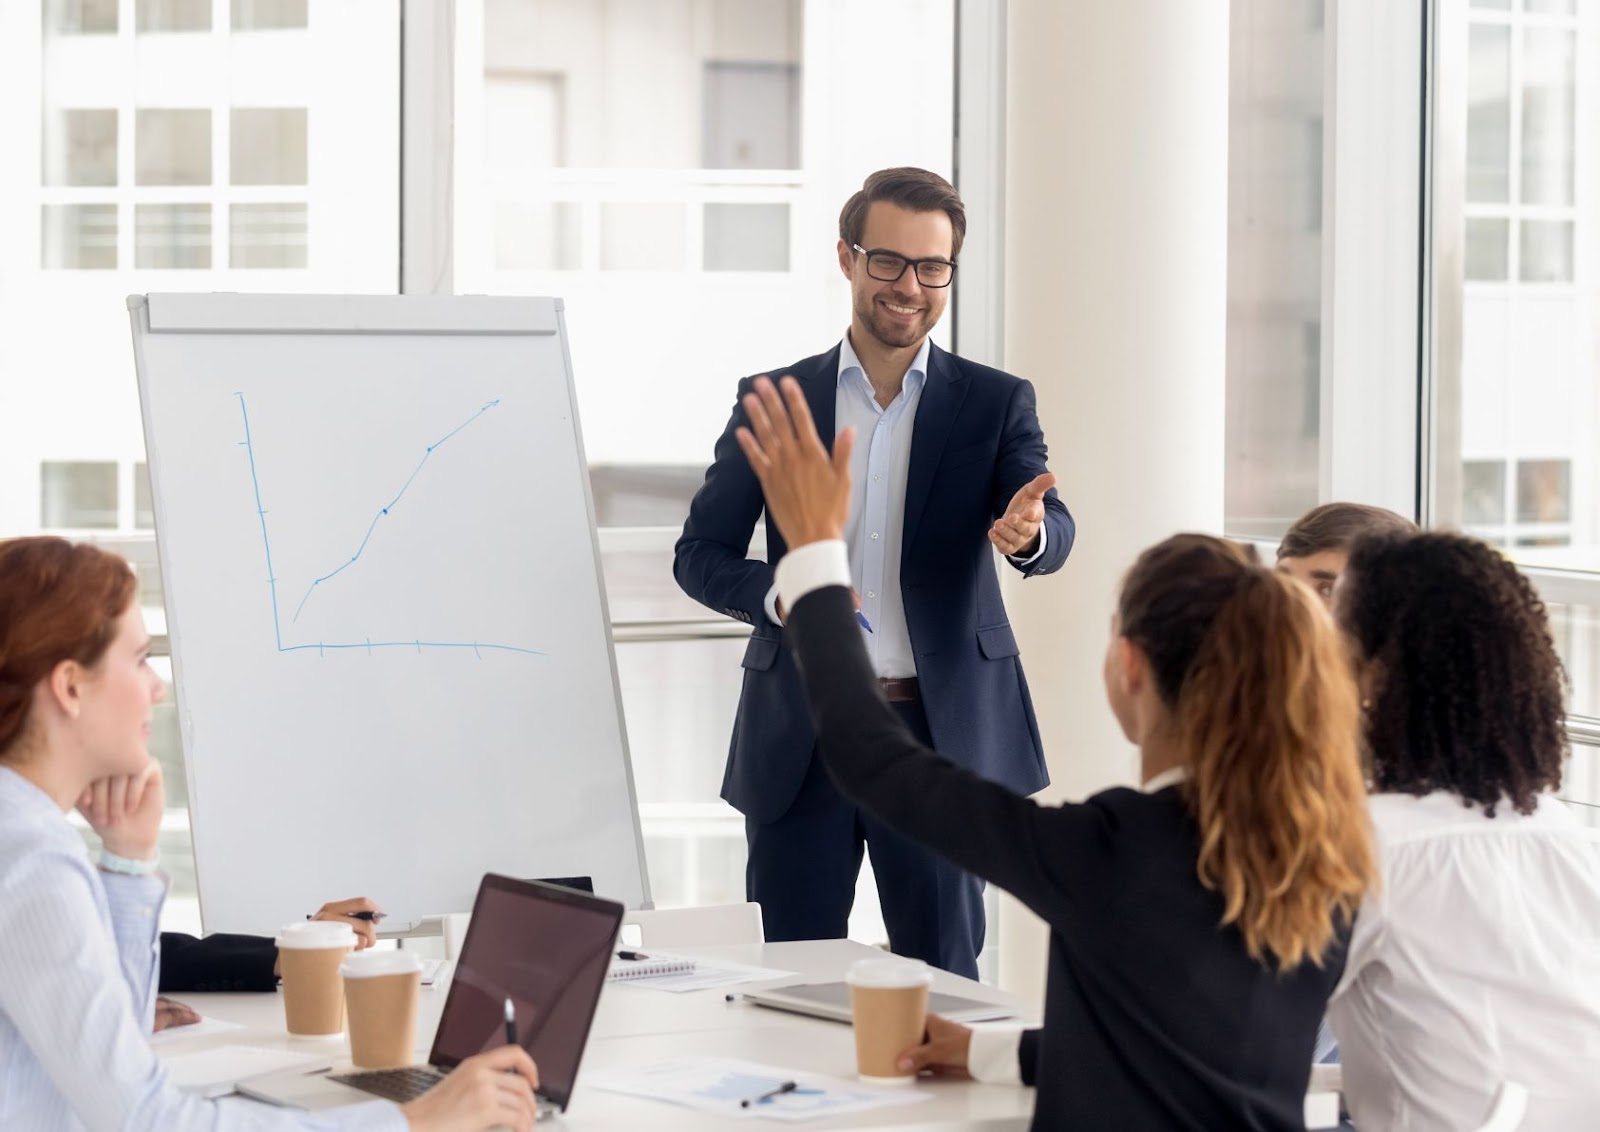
[
  {"x": 1022, "y": 457},
  {"x": 1028, "y": 1057},
  {"x": 1049, "y": 857},
  {"x": 217, "y": 963},
  {"x": 710, "y": 560}
]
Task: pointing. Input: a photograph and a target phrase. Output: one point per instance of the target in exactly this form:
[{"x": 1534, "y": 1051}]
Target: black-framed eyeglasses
[{"x": 887, "y": 267}]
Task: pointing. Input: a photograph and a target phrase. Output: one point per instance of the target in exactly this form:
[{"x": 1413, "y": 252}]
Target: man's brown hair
[
  {"x": 911, "y": 188},
  {"x": 1337, "y": 526}
]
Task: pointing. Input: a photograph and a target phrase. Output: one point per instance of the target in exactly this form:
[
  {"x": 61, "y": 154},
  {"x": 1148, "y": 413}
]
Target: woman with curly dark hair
[{"x": 1475, "y": 969}]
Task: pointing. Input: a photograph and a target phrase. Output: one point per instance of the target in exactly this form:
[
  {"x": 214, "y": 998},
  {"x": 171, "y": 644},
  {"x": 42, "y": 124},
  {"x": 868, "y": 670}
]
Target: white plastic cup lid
[
  {"x": 889, "y": 974},
  {"x": 316, "y": 935},
  {"x": 373, "y": 964}
]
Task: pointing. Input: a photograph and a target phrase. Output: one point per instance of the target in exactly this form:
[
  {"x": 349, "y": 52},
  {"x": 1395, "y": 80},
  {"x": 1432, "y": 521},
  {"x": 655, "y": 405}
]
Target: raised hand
[
  {"x": 1017, "y": 531},
  {"x": 807, "y": 491}
]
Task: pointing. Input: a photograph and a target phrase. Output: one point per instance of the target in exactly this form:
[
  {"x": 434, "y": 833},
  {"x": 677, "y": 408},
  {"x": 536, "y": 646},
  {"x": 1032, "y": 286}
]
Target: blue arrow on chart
[
  {"x": 383, "y": 511},
  {"x": 368, "y": 644}
]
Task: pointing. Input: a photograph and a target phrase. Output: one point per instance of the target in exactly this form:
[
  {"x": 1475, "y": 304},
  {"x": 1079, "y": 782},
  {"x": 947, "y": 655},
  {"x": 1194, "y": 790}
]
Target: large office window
[
  {"x": 157, "y": 147},
  {"x": 1339, "y": 168},
  {"x": 1276, "y": 106},
  {"x": 1517, "y": 260},
  {"x": 674, "y": 169}
]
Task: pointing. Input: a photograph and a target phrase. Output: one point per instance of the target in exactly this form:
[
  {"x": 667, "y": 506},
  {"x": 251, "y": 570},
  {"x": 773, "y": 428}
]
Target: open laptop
[{"x": 545, "y": 947}]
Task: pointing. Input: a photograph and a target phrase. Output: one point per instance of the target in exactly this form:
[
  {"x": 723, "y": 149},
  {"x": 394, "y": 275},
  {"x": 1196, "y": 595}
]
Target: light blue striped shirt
[
  {"x": 78, "y": 976},
  {"x": 879, "y": 466}
]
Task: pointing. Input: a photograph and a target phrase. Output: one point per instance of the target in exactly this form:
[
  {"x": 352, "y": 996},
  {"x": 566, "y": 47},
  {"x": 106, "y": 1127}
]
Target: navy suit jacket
[
  {"x": 976, "y": 441},
  {"x": 218, "y": 962}
]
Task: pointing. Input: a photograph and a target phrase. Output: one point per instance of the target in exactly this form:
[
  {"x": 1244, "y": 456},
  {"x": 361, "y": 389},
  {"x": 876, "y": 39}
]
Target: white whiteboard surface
[{"x": 389, "y": 632}]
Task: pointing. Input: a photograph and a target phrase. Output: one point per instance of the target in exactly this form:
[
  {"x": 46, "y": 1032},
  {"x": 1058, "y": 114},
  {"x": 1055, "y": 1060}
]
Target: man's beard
[{"x": 889, "y": 333}]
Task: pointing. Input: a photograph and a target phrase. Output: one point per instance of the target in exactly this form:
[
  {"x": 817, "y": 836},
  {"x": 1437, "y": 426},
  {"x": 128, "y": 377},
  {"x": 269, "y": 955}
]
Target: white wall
[{"x": 1116, "y": 271}]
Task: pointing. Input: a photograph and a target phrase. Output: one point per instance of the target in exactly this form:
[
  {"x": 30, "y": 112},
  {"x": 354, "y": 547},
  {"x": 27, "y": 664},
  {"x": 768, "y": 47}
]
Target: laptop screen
[{"x": 548, "y": 950}]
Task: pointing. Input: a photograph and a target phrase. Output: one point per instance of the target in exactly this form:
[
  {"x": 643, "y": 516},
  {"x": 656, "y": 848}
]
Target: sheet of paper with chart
[
  {"x": 722, "y": 1084},
  {"x": 390, "y": 639}
]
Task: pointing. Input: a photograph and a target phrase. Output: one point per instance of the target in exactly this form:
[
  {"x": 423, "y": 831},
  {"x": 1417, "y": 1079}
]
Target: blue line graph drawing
[
  {"x": 321, "y": 647},
  {"x": 386, "y": 508}
]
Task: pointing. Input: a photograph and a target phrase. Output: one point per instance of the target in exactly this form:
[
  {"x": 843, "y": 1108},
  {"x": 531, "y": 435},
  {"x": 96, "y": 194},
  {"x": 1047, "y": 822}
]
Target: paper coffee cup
[
  {"x": 380, "y": 996},
  {"x": 309, "y": 955},
  {"x": 889, "y": 1006}
]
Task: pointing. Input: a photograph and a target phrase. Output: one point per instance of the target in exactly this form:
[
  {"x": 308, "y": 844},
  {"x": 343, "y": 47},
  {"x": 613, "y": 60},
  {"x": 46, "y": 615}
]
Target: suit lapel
[
  {"x": 942, "y": 395},
  {"x": 821, "y": 388}
]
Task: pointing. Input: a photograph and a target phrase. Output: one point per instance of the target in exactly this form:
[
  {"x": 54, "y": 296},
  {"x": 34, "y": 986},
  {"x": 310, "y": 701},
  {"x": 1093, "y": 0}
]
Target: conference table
[{"x": 635, "y": 1026}]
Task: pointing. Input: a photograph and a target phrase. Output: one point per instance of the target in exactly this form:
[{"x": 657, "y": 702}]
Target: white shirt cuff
[
  {"x": 1029, "y": 561},
  {"x": 811, "y": 567},
  {"x": 770, "y": 604},
  {"x": 995, "y": 1055}
]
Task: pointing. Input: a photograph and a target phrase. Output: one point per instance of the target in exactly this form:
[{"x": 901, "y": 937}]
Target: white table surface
[{"x": 636, "y": 1026}]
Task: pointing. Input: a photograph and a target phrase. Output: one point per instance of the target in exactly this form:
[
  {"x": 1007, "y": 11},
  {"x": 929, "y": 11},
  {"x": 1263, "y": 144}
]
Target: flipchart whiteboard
[{"x": 390, "y": 642}]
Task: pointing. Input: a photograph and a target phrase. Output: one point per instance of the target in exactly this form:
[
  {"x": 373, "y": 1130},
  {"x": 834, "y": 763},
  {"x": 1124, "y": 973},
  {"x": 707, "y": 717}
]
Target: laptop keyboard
[{"x": 404, "y": 1084}]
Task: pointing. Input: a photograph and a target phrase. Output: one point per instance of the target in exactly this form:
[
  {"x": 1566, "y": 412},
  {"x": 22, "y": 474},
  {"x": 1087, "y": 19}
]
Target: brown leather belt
[{"x": 900, "y": 690}]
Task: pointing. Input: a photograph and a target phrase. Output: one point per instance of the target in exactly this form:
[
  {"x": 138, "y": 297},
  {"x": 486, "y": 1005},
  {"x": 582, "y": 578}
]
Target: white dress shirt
[
  {"x": 879, "y": 468},
  {"x": 1477, "y": 963},
  {"x": 78, "y": 961}
]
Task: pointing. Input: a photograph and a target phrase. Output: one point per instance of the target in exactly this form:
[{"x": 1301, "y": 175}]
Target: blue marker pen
[{"x": 865, "y": 624}]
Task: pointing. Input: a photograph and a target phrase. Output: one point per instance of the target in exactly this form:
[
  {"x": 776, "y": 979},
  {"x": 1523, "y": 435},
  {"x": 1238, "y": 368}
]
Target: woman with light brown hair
[
  {"x": 78, "y": 948},
  {"x": 1197, "y": 924}
]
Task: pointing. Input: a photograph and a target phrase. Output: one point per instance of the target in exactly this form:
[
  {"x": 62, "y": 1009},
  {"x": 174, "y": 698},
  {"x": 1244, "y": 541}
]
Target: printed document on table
[
  {"x": 720, "y": 1084},
  {"x": 203, "y": 1028},
  {"x": 214, "y": 1072}
]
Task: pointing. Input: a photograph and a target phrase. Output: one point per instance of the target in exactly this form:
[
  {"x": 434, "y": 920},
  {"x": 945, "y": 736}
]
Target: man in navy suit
[{"x": 949, "y": 462}]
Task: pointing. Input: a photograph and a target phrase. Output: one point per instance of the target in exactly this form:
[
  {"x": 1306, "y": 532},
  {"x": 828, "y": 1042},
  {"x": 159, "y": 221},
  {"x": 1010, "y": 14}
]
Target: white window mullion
[
  {"x": 1371, "y": 219},
  {"x": 427, "y": 147}
]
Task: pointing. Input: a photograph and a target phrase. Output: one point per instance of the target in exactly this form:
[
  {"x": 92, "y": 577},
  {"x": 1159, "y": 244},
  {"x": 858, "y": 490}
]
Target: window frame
[{"x": 1439, "y": 467}]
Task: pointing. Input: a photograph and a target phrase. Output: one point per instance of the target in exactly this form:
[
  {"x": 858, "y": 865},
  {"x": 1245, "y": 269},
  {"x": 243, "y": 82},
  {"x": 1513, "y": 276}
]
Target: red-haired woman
[{"x": 78, "y": 950}]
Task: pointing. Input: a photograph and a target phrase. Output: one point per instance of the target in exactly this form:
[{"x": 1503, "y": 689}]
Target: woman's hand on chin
[{"x": 125, "y": 811}]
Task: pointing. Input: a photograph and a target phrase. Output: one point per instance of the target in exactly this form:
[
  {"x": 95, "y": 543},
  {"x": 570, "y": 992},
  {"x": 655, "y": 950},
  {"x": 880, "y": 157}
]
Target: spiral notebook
[{"x": 649, "y": 967}]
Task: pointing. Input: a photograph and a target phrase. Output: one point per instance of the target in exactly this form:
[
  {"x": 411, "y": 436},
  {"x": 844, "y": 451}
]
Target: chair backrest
[
  {"x": 1509, "y": 1106},
  {"x": 698, "y": 927},
  {"x": 454, "y": 930}
]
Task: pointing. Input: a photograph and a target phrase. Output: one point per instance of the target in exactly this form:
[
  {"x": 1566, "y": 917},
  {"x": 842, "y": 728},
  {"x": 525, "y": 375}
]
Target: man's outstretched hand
[
  {"x": 1017, "y": 531},
  {"x": 808, "y": 491}
]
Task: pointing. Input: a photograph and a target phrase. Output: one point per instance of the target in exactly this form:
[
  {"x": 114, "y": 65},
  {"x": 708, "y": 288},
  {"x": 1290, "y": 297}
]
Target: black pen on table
[
  {"x": 370, "y": 917},
  {"x": 786, "y": 1087},
  {"x": 633, "y": 955}
]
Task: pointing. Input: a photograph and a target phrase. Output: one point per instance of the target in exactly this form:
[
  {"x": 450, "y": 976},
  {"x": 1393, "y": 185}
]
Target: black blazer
[
  {"x": 975, "y": 442},
  {"x": 218, "y": 962},
  {"x": 1155, "y": 1017}
]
